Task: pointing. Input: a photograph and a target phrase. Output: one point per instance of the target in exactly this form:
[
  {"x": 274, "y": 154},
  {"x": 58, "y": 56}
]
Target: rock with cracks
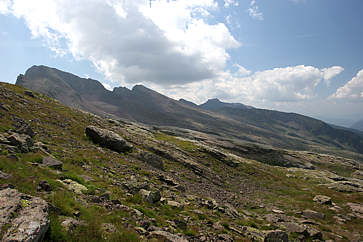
[
  {"x": 25, "y": 216},
  {"x": 107, "y": 139}
]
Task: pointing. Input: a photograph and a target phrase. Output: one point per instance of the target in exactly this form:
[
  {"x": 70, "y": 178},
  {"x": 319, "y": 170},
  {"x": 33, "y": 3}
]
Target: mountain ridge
[{"x": 232, "y": 121}]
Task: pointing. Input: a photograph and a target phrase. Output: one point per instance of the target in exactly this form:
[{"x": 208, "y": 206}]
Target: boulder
[
  {"x": 151, "y": 159},
  {"x": 150, "y": 196},
  {"x": 52, "y": 163},
  {"x": 276, "y": 236},
  {"x": 325, "y": 200},
  {"x": 166, "y": 236},
  {"x": 313, "y": 214},
  {"x": 26, "y": 216},
  {"x": 108, "y": 139}
]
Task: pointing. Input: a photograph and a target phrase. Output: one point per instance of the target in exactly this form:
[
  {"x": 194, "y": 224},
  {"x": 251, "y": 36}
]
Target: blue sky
[{"x": 300, "y": 56}]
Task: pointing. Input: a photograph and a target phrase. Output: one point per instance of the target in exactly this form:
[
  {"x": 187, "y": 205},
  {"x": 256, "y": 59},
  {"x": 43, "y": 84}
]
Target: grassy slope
[{"x": 250, "y": 184}]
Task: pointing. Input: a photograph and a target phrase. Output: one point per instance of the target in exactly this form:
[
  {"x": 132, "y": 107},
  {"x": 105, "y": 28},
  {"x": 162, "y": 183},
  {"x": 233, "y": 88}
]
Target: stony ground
[{"x": 111, "y": 180}]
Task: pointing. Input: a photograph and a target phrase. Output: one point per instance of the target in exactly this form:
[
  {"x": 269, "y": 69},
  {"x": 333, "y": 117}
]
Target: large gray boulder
[
  {"x": 26, "y": 216},
  {"x": 107, "y": 139}
]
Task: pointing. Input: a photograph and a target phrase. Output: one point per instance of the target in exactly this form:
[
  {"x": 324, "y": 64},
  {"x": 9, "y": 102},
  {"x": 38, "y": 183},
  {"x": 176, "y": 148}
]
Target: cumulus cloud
[
  {"x": 169, "y": 42},
  {"x": 352, "y": 90},
  {"x": 331, "y": 72},
  {"x": 278, "y": 85},
  {"x": 254, "y": 11}
]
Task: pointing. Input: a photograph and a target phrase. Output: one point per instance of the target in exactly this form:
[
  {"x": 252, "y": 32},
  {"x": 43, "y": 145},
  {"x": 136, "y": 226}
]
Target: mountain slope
[
  {"x": 173, "y": 185},
  {"x": 232, "y": 121}
]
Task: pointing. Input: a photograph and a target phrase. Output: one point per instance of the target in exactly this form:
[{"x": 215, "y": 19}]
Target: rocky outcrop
[
  {"x": 26, "y": 216},
  {"x": 22, "y": 141},
  {"x": 108, "y": 139}
]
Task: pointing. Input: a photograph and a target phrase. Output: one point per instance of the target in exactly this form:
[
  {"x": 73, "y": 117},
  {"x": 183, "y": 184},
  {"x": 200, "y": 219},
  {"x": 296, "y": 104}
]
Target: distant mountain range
[
  {"x": 358, "y": 125},
  {"x": 232, "y": 121}
]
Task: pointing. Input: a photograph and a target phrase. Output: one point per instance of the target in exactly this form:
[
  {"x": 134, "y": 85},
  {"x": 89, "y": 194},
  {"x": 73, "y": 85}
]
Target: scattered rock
[
  {"x": 22, "y": 141},
  {"x": 357, "y": 209},
  {"x": 168, "y": 180},
  {"x": 74, "y": 186},
  {"x": 180, "y": 224},
  {"x": 150, "y": 196},
  {"x": 108, "y": 228},
  {"x": 108, "y": 139},
  {"x": 29, "y": 93},
  {"x": 52, "y": 163},
  {"x": 27, "y": 216},
  {"x": 87, "y": 178},
  {"x": 346, "y": 186},
  {"x": 314, "y": 233},
  {"x": 166, "y": 236},
  {"x": 175, "y": 204},
  {"x": 44, "y": 186},
  {"x": 358, "y": 174},
  {"x": 151, "y": 159},
  {"x": 325, "y": 200},
  {"x": 26, "y": 129},
  {"x": 69, "y": 224},
  {"x": 278, "y": 211},
  {"x": 276, "y": 236},
  {"x": 134, "y": 187},
  {"x": 313, "y": 214},
  {"x": 4, "y": 175}
]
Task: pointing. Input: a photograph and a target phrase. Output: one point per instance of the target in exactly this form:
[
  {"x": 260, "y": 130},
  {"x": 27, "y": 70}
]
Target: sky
[{"x": 303, "y": 56}]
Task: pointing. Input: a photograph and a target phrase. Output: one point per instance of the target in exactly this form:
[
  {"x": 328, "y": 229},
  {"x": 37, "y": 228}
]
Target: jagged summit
[
  {"x": 215, "y": 103},
  {"x": 232, "y": 120}
]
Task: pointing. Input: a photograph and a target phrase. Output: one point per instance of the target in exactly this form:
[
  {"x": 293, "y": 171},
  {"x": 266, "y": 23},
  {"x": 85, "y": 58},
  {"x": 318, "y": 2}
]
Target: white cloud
[
  {"x": 331, "y": 72},
  {"x": 352, "y": 90},
  {"x": 254, "y": 11},
  {"x": 278, "y": 85},
  {"x": 228, "y": 3},
  {"x": 128, "y": 41}
]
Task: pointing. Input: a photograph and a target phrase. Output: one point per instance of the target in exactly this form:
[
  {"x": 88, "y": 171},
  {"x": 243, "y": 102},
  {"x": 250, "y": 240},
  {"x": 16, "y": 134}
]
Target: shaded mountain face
[
  {"x": 216, "y": 104},
  {"x": 232, "y": 121},
  {"x": 358, "y": 125}
]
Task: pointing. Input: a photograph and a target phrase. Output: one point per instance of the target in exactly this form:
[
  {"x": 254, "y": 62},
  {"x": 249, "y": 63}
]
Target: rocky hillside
[
  {"x": 68, "y": 175},
  {"x": 232, "y": 121}
]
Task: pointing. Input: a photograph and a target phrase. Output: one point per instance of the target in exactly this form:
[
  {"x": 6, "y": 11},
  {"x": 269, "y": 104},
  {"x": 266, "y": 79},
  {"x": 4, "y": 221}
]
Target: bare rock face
[
  {"x": 26, "y": 216},
  {"x": 107, "y": 139}
]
